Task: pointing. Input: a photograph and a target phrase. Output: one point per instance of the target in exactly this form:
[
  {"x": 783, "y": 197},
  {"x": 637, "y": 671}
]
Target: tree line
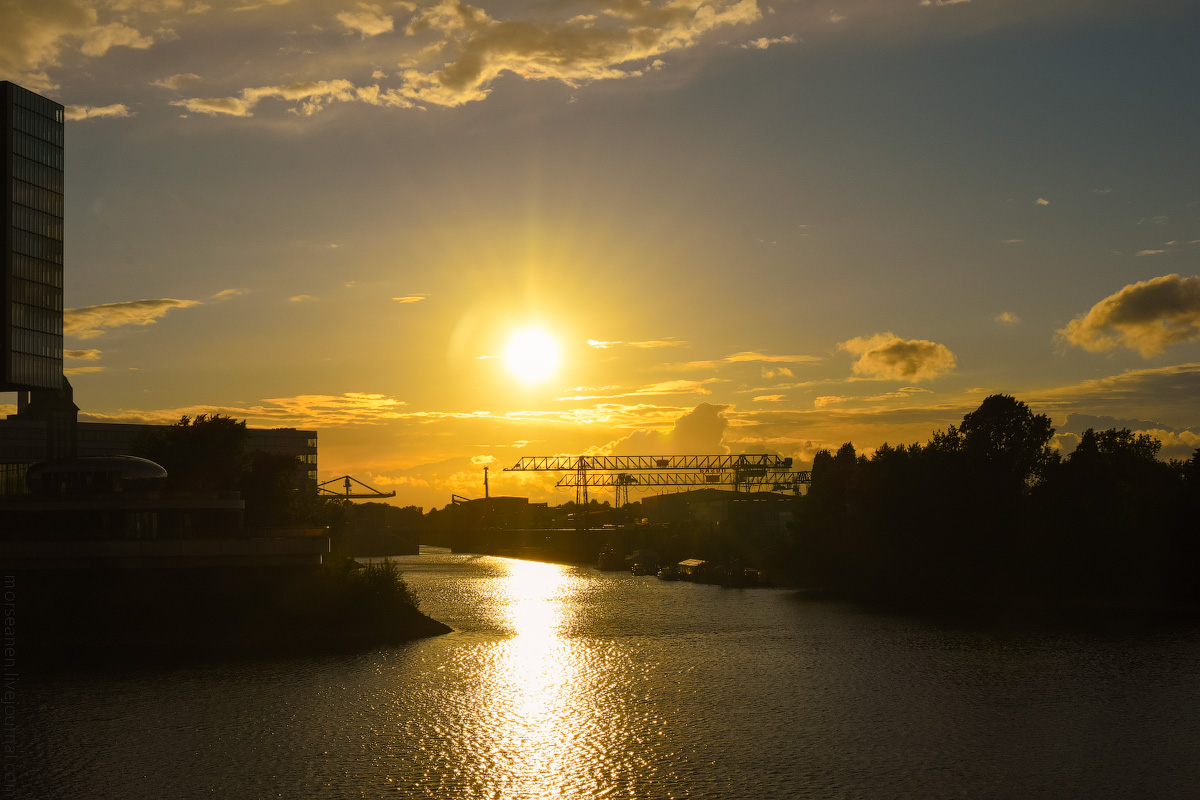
[{"x": 988, "y": 510}]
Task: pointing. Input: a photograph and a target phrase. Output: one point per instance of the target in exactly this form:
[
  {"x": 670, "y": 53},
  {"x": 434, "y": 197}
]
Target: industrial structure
[{"x": 746, "y": 472}]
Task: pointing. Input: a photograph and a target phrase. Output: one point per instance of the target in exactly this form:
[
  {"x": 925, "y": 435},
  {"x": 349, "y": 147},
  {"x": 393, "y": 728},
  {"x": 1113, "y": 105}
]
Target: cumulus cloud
[
  {"x": 102, "y": 38},
  {"x": 885, "y": 356},
  {"x": 88, "y": 322},
  {"x": 575, "y": 51},
  {"x": 368, "y": 20},
  {"x": 1145, "y": 316},
  {"x": 1007, "y": 318},
  {"x": 34, "y": 35},
  {"x": 97, "y": 112},
  {"x": 1041, "y": 201},
  {"x": 697, "y": 432}
]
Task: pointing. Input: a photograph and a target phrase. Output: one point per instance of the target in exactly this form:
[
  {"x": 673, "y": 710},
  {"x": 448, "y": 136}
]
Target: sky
[{"x": 739, "y": 225}]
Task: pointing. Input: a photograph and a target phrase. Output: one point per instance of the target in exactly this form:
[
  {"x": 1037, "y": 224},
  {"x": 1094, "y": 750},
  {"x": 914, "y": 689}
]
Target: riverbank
[{"x": 150, "y": 614}]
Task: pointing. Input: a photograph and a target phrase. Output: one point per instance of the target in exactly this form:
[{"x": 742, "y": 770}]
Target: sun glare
[{"x": 532, "y": 355}]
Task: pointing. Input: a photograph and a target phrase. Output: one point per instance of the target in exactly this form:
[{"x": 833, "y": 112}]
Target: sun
[{"x": 532, "y": 355}]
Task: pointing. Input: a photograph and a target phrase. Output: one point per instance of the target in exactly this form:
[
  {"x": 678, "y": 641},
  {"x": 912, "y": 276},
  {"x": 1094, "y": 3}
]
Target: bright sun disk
[{"x": 532, "y": 355}]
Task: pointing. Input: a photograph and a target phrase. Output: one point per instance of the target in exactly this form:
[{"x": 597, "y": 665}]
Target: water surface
[{"x": 564, "y": 682}]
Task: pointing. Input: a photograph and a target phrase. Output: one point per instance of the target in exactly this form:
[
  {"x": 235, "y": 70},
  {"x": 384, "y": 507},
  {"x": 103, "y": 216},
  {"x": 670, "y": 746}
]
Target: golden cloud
[
  {"x": 368, "y": 20},
  {"x": 650, "y": 344},
  {"x": 578, "y": 50},
  {"x": 97, "y": 112},
  {"x": 82, "y": 355},
  {"x": 35, "y": 31},
  {"x": 1145, "y": 316},
  {"x": 411, "y": 298},
  {"x": 310, "y": 97},
  {"x": 179, "y": 81},
  {"x": 88, "y": 322},
  {"x": 750, "y": 355},
  {"x": 885, "y": 356}
]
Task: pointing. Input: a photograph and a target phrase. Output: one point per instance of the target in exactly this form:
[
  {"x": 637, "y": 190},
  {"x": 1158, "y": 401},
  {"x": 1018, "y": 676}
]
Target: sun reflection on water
[{"x": 537, "y": 678}]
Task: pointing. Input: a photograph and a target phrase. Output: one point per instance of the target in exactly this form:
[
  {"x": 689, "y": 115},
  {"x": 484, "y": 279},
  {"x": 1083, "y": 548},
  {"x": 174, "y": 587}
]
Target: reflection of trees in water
[{"x": 989, "y": 510}]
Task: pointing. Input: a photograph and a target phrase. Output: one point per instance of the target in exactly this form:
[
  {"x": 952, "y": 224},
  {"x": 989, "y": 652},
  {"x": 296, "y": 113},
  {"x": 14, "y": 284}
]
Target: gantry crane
[{"x": 744, "y": 472}]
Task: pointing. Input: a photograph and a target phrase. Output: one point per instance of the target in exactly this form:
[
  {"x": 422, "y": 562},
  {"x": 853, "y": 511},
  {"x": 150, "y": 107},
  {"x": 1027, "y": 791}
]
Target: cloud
[
  {"x": 828, "y": 400},
  {"x": 82, "y": 370},
  {"x": 183, "y": 80},
  {"x": 97, "y": 112},
  {"x": 88, "y": 322},
  {"x": 782, "y": 372},
  {"x": 1164, "y": 392},
  {"x": 34, "y": 35},
  {"x": 302, "y": 298},
  {"x": 368, "y": 20},
  {"x": 1160, "y": 219},
  {"x": 763, "y": 42},
  {"x": 1149, "y": 252},
  {"x": 653, "y": 389},
  {"x": 943, "y": 2},
  {"x": 226, "y": 294},
  {"x": 301, "y": 411},
  {"x": 697, "y": 432},
  {"x": 646, "y": 345},
  {"x": 575, "y": 51},
  {"x": 308, "y": 97},
  {"x": 102, "y": 38},
  {"x": 411, "y": 298},
  {"x": 886, "y": 356},
  {"x": 1145, "y": 316},
  {"x": 1041, "y": 201},
  {"x": 769, "y": 398},
  {"x": 82, "y": 355},
  {"x": 1007, "y": 318},
  {"x": 750, "y": 355}
]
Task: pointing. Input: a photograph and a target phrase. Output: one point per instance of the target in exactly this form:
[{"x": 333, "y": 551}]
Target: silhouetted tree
[{"x": 205, "y": 453}]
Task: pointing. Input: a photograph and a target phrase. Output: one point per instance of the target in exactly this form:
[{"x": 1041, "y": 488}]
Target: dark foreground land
[{"x": 149, "y": 614}]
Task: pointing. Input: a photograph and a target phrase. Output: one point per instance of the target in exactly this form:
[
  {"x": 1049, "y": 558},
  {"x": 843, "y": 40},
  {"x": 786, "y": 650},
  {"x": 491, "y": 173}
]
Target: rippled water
[{"x": 565, "y": 682}]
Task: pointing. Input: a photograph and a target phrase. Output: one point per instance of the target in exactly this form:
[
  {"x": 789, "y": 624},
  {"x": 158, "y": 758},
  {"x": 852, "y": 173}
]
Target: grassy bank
[{"x": 150, "y": 613}]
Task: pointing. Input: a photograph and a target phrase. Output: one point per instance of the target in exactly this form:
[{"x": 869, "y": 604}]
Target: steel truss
[{"x": 745, "y": 472}]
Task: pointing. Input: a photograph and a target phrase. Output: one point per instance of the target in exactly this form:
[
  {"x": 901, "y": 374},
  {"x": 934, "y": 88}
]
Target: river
[{"x": 565, "y": 682}]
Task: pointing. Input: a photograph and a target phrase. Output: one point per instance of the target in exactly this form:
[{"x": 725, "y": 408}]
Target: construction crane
[
  {"x": 748, "y": 471},
  {"x": 771, "y": 480},
  {"x": 329, "y": 494}
]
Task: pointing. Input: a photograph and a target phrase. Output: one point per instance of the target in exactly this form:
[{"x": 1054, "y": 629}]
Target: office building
[{"x": 31, "y": 220}]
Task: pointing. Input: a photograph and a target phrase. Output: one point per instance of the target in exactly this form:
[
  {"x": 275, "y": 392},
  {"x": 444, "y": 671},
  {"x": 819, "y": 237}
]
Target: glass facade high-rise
[{"x": 31, "y": 287}]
